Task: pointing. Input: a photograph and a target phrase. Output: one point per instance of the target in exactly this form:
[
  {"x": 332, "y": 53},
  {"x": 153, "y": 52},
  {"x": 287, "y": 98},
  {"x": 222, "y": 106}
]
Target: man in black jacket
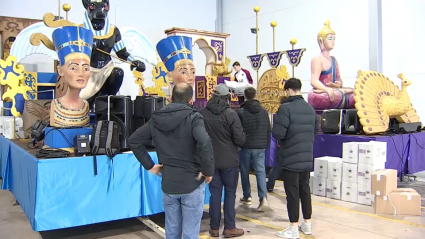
[
  {"x": 226, "y": 132},
  {"x": 295, "y": 128},
  {"x": 256, "y": 125},
  {"x": 185, "y": 155}
]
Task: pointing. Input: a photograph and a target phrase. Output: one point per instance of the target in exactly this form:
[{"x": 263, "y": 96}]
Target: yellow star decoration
[
  {"x": 282, "y": 74},
  {"x": 12, "y": 74},
  {"x": 159, "y": 77}
]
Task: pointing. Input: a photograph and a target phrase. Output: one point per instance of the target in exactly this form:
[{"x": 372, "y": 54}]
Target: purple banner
[
  {"x": 274, "y": 58},
  {"x": 294, "y": 56},
  {"x": 256, "y": 60},
  {"x": 218, "y": 46}
]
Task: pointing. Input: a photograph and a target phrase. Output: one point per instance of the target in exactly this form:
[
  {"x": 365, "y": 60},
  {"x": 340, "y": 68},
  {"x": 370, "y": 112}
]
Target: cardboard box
[
  {"x": 350, "y": 152},
  {"x": 372, "y": 152},
  {"x": 384, "y": 181},
  {"x": 319, "y": 186},
  {"x": 363, "y": 194},
  {"x": 398, "y": 203},
  {"x": 349, "y": 192},
  {"x": 365, "y": 171},
  {"x": 333, "y": 189},
  {"x": 321, "y": 167},
  {"x": 349, "y": 172},
  {"x": 335, "y": 169}
]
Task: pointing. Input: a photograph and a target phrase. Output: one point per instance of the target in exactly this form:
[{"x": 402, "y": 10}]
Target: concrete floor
[{"x": 332, "y": 219}]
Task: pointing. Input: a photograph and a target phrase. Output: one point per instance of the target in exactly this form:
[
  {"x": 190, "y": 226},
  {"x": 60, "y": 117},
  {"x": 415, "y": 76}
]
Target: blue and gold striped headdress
[
  {"x": 173, "y": 49},
  {"x": 69, "y": 38}
]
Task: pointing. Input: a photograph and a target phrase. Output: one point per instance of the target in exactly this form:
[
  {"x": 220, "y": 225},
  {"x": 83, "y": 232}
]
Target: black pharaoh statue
[{"x": 106, "y": 79}]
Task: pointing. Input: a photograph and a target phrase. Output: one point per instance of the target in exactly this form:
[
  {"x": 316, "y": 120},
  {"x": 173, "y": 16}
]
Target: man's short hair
[
  {"x": 293, "y": 84},
  {"x": 250, "y": 93},
  {"x": 236, "y": 63},
  {"x": 182, "y": 93}
]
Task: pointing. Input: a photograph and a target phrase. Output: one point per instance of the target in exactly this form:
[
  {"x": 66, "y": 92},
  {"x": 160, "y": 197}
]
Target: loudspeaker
[
  {"x": 118, "y": 109},
  {"x": 351, "y": 122},
  {"x": 144, "y": 106},
  {"x": 331, "y": 121},
  {"x": 338, "y": 120}
]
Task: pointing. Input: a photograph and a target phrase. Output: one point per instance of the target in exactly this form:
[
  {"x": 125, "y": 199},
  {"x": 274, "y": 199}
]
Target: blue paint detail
[
  {"x": 19, "y": 103},
  {"x": 161, "y": 74},
  {"x": 9, "y": 69}
]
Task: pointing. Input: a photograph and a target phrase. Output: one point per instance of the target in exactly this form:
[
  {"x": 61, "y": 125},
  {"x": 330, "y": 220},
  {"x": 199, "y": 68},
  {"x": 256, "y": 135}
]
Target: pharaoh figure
[
  {"x": 328, "y": 91},
  {"x": 176, "y": 54},
  {"x": 73, "y": 45}
]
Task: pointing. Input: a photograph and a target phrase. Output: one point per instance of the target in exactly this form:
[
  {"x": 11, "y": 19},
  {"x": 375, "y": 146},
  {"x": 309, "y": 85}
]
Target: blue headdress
[
  {"x": 72, "y": 39},
  {"x": 173, "y": 49}
]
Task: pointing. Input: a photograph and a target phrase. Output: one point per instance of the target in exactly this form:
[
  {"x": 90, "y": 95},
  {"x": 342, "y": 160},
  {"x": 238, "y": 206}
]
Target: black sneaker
[{"x": 246, "y": 201}]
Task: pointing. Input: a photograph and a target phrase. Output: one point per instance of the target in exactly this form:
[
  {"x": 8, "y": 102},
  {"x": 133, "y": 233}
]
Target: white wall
[
  {"x": 149, "y": 17},
  {"x": 301, "y": 19},
  {"x": 403, "y": 48}
]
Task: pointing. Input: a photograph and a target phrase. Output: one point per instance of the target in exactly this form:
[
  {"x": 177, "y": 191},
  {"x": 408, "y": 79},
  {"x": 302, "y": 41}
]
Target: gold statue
[
  {"x": 378, "y": 100},
  {"x": 222, "y": 69},
  {"x": 328, "y": 91}
]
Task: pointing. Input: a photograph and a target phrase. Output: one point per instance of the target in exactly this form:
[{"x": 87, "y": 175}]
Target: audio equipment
[{"x": 118, "y": 109}]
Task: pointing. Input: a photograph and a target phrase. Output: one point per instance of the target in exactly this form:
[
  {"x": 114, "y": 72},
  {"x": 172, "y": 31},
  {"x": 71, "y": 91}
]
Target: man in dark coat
[
  {"x": 295, "y": 128},
  {"x": 256, "y": 125},
  {"x": 185, "y": 155},
  {"x": 226, "y": 132}
]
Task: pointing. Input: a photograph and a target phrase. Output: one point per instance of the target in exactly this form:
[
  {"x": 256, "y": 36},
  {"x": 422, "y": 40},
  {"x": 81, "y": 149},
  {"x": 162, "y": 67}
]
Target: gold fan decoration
[
  {"x": 270, "y": 88},
  {"x": 378, "y": 100}
]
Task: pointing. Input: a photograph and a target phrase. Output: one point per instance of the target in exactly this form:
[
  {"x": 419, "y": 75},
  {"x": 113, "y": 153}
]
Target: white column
[
  {"x": 375, "y": 35},
  {"x": 219, "y": 18}
]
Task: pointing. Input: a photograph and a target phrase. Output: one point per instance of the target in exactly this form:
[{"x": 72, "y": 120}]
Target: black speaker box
[
  {"x": 340, "y": 120},
  {"x": 118, "y": 109},
  {"x": 144, "y": 106}
]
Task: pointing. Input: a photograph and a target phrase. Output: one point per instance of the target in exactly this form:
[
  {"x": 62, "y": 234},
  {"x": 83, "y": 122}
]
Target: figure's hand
[
  {"x": 331, "y": 94},
  {"x": 140, "y": 66},
  {"x": 156, "y": 169},
  {"x": 337, "y": 84}
]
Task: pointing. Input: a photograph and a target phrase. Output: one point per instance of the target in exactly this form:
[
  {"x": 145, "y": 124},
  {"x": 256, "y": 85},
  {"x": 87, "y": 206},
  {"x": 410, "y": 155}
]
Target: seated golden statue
[
  {"x": 328, "y": 91},
  {"x": 73, "y": 45}
]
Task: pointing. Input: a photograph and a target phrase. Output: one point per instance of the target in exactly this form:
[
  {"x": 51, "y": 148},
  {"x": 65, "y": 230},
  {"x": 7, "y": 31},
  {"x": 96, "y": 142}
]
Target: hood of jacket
[
  {"x": 169, "y": 117},
  {"x": 252, "y": 106},
  {"x": 217, "y": 105}
]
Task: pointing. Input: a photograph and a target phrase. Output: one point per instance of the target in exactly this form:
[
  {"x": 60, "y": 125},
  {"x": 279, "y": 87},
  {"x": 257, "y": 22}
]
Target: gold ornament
[
  {"x": 66, "y": 7},
  {"x": 270, "y": 88},
  {"x": 222, "y": 69},
  {"x": 256, "y": 9},
  {"x": 378, "y": 100},
  {"x": 273, "y": 24}
]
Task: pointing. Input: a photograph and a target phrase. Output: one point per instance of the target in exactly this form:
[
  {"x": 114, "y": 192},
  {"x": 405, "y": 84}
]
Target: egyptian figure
[
  {"x": 328, "y": 91},
  {"x": 73, "y": 45},
  {"x": 106, "y": 79},
  {"x": 176, "y": 54}
]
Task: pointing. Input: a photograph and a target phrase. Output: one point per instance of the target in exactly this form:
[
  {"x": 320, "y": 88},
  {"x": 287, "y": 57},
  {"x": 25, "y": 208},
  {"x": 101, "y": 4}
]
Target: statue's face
[
  {"x": 329, "y": 42},
  {"x": 184, "y": 72},
  {"x": 76, "y": 73},
  {"x": 97, "y": 9}
]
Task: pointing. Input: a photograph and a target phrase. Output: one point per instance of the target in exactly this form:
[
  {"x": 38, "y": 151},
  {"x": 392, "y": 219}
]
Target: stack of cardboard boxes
[
  {"x": 361, "y": 160},
  {"x": 388, "y": 199},
  {"x": 326, "y": 181},
  {"x": 360, "y": 177}
]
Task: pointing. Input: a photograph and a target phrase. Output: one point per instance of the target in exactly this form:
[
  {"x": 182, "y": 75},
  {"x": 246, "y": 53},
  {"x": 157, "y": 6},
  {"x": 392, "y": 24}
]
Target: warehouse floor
[{"x": 332, "y": 219}]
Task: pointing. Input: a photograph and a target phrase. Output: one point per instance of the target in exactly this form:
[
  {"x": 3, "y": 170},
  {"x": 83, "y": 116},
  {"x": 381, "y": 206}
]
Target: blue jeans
[
  {"x": 227, "y": 178},
  {"x": 183, "y": 214},
  {"x": 257, "y": 157}
]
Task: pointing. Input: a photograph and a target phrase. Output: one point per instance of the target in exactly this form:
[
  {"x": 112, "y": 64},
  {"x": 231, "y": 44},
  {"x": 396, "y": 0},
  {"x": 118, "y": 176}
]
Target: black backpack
[{"x": 105, "y": 139}]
